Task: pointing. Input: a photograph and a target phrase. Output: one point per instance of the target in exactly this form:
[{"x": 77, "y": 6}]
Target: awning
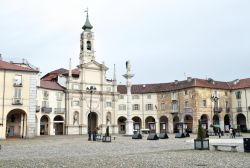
[{"x": 216, "y": 126}]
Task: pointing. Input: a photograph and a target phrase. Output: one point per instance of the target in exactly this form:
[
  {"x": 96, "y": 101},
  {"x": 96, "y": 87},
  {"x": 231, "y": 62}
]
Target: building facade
[
  {"x": 18, "y": 100},
  {"x": 82, "y": 99}
]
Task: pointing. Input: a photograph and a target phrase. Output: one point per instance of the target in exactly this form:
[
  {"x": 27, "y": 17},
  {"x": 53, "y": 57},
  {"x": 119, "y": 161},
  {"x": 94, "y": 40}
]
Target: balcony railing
[
  {"x": 239, "y": 109},
  {"x": 17, "y": 84},
  {"x": 174, "y": 98},
  {"x": 174, "y": 111},
  {"x": 46, "y": 109},
  {"x": 188, "y": 109},
  {"x": 217, "y": 109},
  {"x": 17, "y": 101},
  {"x": 59, "y": 110},
  {"x": 37, "y": 108}
]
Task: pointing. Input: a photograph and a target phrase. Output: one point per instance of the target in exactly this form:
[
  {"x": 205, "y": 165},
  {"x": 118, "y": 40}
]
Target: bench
[
  {"x": 144, "y": 131},
  {"x": 233, "y": 147},
  {"x": 98, "y": 137}
]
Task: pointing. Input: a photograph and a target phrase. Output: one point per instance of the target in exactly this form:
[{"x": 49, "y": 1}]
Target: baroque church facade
[{"x": 74, "y": 101}]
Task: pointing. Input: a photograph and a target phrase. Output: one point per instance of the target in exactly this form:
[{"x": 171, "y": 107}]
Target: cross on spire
[{"x": 87, "y": 26}]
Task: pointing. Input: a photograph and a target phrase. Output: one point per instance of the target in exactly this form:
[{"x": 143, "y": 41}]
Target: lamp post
[
  {"x": 91, "y": 90},
  {"x": 215, "y": 100}
]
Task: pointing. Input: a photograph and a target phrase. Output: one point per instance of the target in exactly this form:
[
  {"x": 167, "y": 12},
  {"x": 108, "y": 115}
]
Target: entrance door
[
  {"x": 58, "y": 128},
  {"x": 11, "y": 131}
]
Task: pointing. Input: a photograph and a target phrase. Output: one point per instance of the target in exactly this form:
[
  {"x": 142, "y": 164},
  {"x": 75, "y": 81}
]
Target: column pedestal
[{"x": 129, "y": 128}]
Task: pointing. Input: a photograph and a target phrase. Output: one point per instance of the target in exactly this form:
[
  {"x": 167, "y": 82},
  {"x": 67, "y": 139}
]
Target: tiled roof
[
  {"x": 52, "y": 76},
  {"x": 166, "y": 87},
  {"x": 59, "y": 71},
  {"x": 9, "y": 66},
  {"x": 50, "y": 85},
  {"x": 240, "y": 84}
]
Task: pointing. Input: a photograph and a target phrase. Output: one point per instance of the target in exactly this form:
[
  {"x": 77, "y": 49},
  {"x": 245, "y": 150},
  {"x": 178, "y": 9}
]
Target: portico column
[
  {"x": 51, "y": 128},
  {"x": 38, "y": 127}
]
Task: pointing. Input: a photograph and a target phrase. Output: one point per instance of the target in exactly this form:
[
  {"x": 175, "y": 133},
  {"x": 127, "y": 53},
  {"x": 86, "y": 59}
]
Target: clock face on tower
[{"x": 89, "y": 35}]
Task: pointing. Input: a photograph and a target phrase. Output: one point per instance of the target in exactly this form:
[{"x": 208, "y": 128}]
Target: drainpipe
[
  {"x": 246, "y": 106},
  {"x": 3, "y": 96}
]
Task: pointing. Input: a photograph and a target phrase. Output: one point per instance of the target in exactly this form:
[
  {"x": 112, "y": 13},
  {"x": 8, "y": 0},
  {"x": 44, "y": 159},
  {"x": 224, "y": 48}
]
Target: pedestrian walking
[
  {"x": 234, "y": 132},
  {"x": 231, "y": 132},
  {"x": 219, "y": 132}
]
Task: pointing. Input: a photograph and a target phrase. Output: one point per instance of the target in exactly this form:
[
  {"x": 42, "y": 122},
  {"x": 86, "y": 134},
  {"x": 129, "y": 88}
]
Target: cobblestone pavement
[{"x": 77, "y": 151}]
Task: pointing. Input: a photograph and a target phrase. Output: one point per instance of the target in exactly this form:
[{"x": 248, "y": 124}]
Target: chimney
[
  {"x": 236, "y": 81},
  {"x": 1, "y": 57},
  {"x": 189, "y": 79},
  {"x": 176, "y": 82}
]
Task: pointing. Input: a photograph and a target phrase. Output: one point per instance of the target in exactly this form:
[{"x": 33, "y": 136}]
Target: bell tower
[{"x": 87, "y": 42}]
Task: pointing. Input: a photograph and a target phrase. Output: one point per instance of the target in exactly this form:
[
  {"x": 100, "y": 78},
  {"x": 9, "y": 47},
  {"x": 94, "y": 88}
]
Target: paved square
[{"x": 77, "y": 151}]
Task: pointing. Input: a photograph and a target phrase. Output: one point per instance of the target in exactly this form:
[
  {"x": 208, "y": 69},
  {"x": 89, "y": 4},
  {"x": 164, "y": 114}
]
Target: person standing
[{"x": 231, "y": 132}]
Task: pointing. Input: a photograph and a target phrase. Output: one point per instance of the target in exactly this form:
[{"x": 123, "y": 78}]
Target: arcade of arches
[{"x": 16, "y": 124}]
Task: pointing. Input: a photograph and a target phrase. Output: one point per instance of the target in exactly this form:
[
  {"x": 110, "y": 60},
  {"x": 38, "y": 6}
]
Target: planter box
[
  {"x": 201, "y": 144},
  {"x": 106, "y": 139},
  {"x": 163, "y": 136},
  {"x": 137, "y": 136}
]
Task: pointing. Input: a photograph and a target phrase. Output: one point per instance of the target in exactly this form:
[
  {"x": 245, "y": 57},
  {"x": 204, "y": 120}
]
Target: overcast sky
[{"x": 165, "y": 40}]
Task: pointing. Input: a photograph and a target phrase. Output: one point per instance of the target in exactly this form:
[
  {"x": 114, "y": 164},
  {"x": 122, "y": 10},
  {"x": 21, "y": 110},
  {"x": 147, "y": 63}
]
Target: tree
[
  {"x": 107, "y": 131},
  {"x": 201, "y": 133}
]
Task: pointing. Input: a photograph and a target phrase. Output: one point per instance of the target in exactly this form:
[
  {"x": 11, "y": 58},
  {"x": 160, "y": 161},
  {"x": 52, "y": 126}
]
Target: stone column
[{"x": 129, "y": 122}]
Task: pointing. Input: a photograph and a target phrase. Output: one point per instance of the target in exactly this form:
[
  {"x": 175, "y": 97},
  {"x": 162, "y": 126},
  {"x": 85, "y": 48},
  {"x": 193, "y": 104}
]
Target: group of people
[{"x": 232, "y": 132}]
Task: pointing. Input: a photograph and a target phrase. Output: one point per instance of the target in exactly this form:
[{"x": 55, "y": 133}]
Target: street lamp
[
  {"x": 91, "y": 90},
  {"x": 216, "y": 109},
  {"x": 215, "y": 100}
]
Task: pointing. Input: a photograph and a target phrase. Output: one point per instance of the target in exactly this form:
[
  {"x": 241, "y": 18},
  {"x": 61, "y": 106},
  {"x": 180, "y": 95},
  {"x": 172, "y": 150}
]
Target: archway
[
  {"x": 16, "y": 123},
  {"x": 92, "y": 121},
  {"x": 58, "y": 125},
  {"x": 137, "y": 123},
  {"x": 241, "y": 122},
  {"x": 150, "y": 123},
  {"x": 216, "y": 120},
  {"x": 188, "y": 119},
  {"x": 204, "y": 121},
  {"x": 175, "y": 124},
  {"x": 44, "y": 125},
  {"x": 121, "y": 125},
  {"x": 216, "y": 123},
  {"x": 226, "y": 123},
  {"x": 163, "y": 124}
]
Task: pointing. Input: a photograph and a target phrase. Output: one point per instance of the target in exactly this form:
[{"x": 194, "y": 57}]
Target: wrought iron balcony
[
  {"x": 46, "y": 109},
  {"x": 217, "y": 109},
  {"x": 188, "y": 109},
  {"x": 59, "y": 110},
  {"x": 239, "y": 109},
  {"x": 17, "y": 101},
  {"x": 37, "y": 108},
  {"x": 17, "y": 84},
  {"x": 174, "y": 111},
  {"x": 174, "y": 98}
]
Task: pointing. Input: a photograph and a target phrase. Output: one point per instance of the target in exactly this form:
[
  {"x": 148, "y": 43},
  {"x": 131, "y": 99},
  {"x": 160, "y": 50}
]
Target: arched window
[{"x": 88, "y": 45}]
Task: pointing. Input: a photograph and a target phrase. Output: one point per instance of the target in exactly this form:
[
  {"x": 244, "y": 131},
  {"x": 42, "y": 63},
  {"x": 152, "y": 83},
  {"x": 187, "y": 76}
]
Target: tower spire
[{"x": 87, "y": 26}]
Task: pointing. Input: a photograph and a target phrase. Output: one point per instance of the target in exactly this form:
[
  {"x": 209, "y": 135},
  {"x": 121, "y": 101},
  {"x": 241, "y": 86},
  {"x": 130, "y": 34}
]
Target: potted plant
[
  {"x": 107, "y": 137},
  {"x": 200, "y": 143}
]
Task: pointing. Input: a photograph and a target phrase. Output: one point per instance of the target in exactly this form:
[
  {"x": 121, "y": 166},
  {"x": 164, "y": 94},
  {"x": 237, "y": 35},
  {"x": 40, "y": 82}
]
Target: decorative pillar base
[{"x": 129, "y": 128}]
